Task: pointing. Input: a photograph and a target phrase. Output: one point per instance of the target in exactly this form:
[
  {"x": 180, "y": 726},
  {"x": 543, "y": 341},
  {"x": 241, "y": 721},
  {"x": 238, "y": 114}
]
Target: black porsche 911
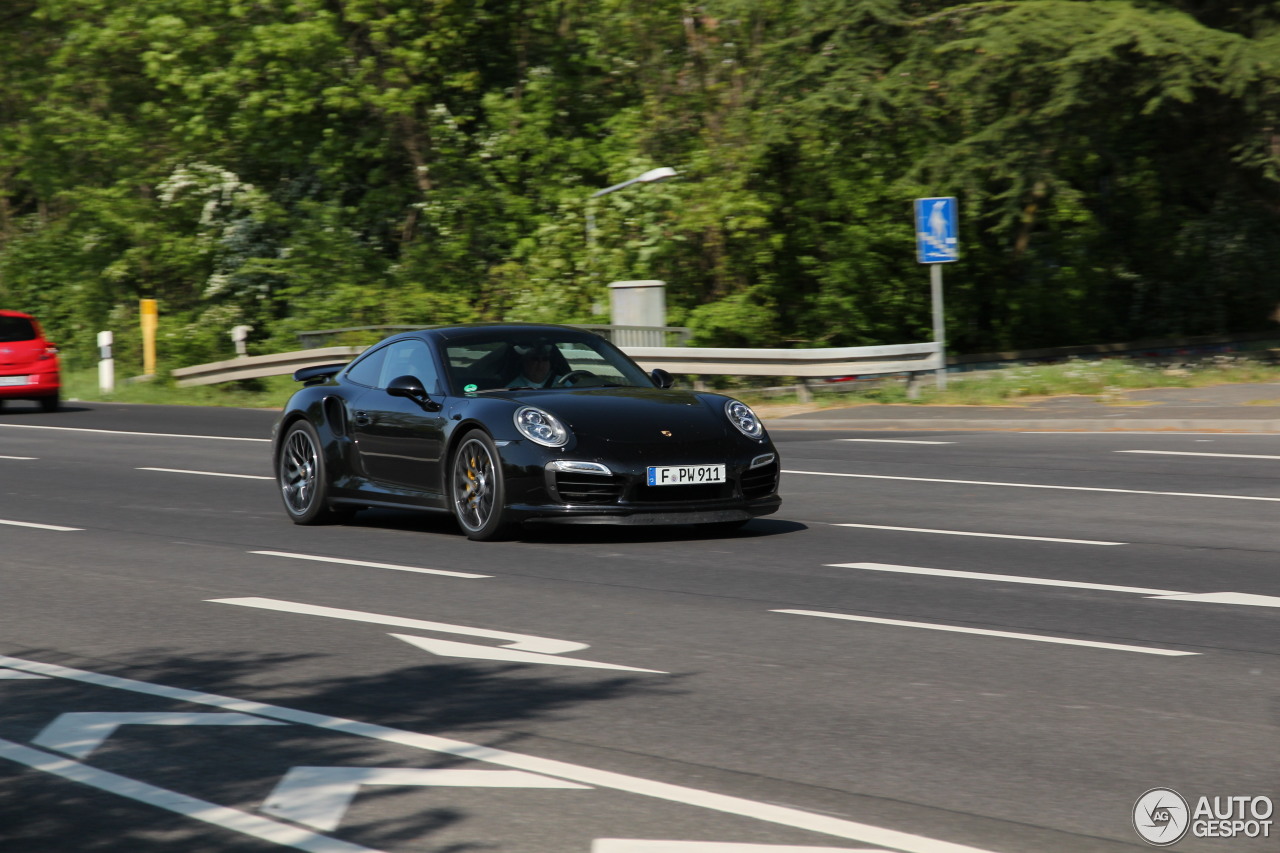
[{"x": 501, "y": 424}]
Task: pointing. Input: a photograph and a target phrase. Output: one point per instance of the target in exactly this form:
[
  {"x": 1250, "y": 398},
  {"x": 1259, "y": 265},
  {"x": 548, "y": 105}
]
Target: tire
[
  {"x": 477, "y": 493},
  {"x": 303, "y": 476},
  {"x": 51, "y": 403}
]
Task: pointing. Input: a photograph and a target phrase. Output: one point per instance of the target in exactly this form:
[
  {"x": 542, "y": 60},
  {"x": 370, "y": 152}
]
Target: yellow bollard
[{"x": 150, "y": 319}]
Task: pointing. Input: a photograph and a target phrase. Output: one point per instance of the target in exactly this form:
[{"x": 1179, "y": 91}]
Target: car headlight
[
  {"x": 744, "y": 419},
  {"x": 541, "y": 427}
]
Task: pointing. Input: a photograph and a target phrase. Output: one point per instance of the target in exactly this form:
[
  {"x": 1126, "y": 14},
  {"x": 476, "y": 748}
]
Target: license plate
[
  {"x": 6, "y": 381},
  {"x": 685, "y": 475}
]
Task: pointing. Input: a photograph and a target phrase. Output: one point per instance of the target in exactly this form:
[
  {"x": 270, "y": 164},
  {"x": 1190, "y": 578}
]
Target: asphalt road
[{"x": 945, "y": 641}]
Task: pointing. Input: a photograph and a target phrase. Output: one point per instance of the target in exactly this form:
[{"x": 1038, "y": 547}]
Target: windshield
[
  {"x": 546, "y": 359},
  {"x": 16, "y": 329}
]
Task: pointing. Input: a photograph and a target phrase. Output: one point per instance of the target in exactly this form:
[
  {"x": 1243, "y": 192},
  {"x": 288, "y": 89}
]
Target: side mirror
[
  {"x": 412, "y": 388},
  {"x": 661, "y": 378}
]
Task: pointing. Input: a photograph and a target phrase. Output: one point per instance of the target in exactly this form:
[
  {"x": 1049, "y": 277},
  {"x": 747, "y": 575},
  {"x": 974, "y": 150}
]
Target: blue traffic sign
[{"x": 937, "y": 230}]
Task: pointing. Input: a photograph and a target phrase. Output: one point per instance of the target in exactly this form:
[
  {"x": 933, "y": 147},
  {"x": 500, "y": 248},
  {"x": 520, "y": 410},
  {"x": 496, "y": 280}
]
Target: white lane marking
[
  {"x": 38, "y": 526},
  {"x": 368, "y": 564},
  {"x": 127, "y": 432},
  {"x": 1037, "y": 486},
  {"x": 1125, "y": 432},
  {"x": 319, "y": 796},
  {"x": 22, "y": 458},
  {"x": 519, "y": 642},
  {"x": 1010, "y": 635},
  {"x": 1241, "y": 598},
  {"x": 767, "y": 812},
  {"x": 986, "y": 535},
  {"x": 894, "y": 441},
  {"x": 78, "y": 733},
  {"x": 172, "y": 801},
  {"x": 984, "y": 576},
  {"x": 1191, "y": 453},
  {"x": 450, "y": 649},
  {"x": 635, "y": 845},
  {"x": 13, "y": 674},
  {"x": 208, "y": 473}
]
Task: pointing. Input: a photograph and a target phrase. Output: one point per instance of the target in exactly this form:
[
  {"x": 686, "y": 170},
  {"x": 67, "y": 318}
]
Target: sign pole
[
  {"x": 938, "y": 243},
  {"x": 939, "y": 327}
]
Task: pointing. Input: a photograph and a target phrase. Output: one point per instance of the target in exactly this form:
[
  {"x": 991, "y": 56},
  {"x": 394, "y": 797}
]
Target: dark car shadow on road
[{"x": 439, "y": 523}]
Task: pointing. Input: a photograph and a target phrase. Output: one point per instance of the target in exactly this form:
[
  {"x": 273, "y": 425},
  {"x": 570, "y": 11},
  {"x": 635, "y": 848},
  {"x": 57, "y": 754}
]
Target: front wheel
[
  {"x": 477, "y": 492},
  {"x": 303, "y": 476}
]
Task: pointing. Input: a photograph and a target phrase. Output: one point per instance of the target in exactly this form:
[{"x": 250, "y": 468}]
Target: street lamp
[{"x": 653, "y": 176}]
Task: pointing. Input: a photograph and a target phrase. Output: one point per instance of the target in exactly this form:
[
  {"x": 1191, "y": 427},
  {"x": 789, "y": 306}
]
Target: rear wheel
[
  {"x": 303, "y": 476},
  {"x": 477, "y": 492},
  {"x": 50, "y": 403}
]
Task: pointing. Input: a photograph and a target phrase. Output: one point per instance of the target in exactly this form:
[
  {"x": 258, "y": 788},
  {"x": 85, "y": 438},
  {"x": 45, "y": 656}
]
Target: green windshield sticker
[{"x": 469, "y": 388}]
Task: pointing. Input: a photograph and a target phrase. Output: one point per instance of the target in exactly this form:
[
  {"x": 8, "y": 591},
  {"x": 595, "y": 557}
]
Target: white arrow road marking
[
  {"x": 319, "y": 796},
  {"x": 520, "y": 642},
  {"x": 367, "y": 564},
  {"x": 634, "y": 845},
  {"x": 451, "y": 649},
  {"x": 723, "y": 803},
  {"x": 172, "y": 801},
  {"x": 78, "y": 733},
  {"x": 1010, "y": 635},
  {"x": 1243, "y": 598}
]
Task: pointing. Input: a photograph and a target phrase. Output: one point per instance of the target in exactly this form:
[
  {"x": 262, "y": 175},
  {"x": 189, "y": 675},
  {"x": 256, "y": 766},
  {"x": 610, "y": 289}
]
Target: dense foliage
[{"x": 306, "y": 164}]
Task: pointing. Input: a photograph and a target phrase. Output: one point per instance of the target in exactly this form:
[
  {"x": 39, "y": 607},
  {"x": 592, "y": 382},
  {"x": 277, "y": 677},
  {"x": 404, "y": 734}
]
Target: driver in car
[{"x": 535, "y": 368}]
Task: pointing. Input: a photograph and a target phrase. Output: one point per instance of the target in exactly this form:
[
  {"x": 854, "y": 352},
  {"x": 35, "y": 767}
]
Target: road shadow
[
  {"x": 239, "y": 766},
  {"x": 443, "y": 524}
]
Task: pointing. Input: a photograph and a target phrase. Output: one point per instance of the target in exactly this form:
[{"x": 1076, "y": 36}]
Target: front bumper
[{"x": 621, "y": 495}]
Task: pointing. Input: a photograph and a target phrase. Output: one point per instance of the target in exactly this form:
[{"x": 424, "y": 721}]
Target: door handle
[{"x": 363, "y": 419}]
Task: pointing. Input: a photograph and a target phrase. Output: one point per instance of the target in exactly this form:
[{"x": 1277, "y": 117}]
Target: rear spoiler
[{"x": 317, "y": 374}]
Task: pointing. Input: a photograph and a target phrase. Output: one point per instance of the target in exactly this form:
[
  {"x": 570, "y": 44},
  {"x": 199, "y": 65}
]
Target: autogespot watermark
[{"x": 1163, "y": 817}]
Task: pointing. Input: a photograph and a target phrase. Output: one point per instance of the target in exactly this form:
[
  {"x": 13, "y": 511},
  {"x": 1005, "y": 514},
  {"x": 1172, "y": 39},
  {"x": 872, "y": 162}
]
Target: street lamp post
[{"x": 653, "y": 176}]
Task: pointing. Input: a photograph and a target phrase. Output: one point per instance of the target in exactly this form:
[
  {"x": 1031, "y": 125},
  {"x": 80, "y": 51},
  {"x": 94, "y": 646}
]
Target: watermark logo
[{"x": 1161, "y": 817}]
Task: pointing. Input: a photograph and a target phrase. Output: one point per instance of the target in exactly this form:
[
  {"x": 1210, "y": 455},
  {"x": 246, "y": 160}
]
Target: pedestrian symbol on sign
[{"x": 937, "y": 240}]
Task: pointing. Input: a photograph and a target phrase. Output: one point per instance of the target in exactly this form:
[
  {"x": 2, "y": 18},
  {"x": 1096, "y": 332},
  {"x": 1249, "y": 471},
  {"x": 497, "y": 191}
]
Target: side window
[
  {"x": 368, "y": 369},
  {"x": 410, "y": 358}
]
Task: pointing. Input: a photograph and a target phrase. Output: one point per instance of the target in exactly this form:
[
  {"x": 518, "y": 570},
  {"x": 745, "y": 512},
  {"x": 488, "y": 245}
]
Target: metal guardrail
[
  {"x": 260, "y": 366},
  {"x": 710, "y": 361},
  {"x": 649, "y": 336},
  {"x": 842, "y": 361}
]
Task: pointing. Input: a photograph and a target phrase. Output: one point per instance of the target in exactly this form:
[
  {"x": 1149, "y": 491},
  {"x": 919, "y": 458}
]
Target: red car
[{"x": 28, "y": 362}]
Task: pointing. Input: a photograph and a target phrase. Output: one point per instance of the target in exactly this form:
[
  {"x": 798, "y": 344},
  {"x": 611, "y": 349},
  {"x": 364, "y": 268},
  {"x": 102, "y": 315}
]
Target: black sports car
[{"x": 502, "y": 424}]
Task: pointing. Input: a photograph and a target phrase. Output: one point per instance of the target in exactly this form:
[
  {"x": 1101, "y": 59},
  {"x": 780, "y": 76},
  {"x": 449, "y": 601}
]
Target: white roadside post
[
  {"x": 240, "y": 334},
  {"x": 106, "y": 363},
  {"x": 937, "y": 243}
]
